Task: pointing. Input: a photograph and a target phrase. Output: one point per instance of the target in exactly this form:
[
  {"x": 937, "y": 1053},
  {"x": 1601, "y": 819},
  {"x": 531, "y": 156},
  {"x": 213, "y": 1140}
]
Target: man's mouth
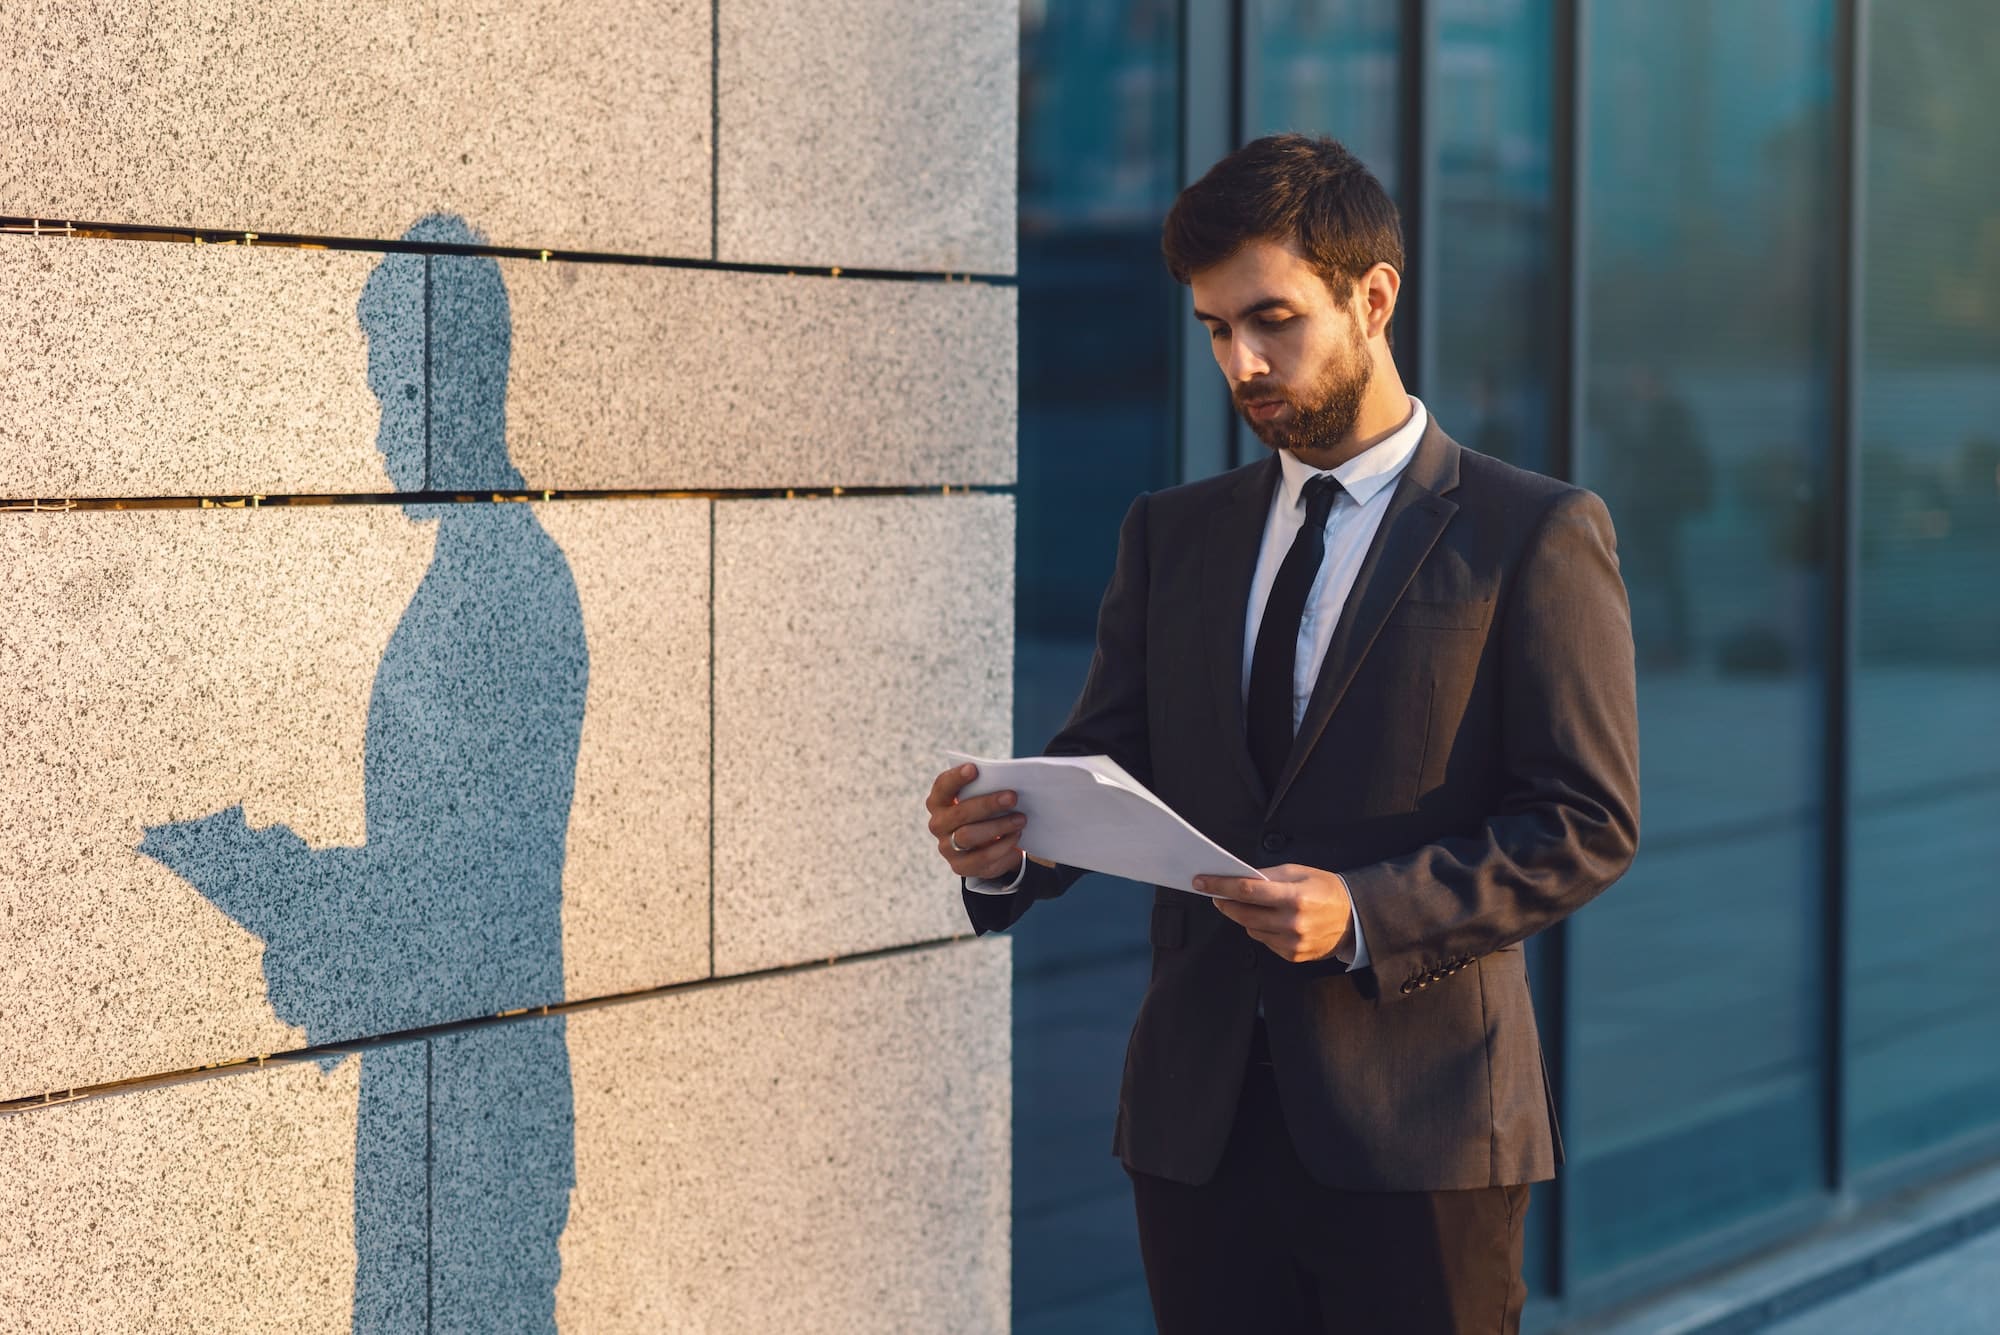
[{"x": 1262, "y": 410}]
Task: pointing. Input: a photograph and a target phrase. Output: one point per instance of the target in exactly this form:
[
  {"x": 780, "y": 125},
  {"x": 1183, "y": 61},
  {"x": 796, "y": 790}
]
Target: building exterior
[
  {"x": 504, "y": 507},
  {"x": 1734, "y": 264}
]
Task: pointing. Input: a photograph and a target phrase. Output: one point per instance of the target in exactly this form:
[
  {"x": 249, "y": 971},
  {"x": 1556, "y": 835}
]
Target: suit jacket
[{"x": 1468, "y": 762}]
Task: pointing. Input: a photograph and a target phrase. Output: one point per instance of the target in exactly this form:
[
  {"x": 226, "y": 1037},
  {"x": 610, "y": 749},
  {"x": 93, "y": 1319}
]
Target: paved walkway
[{"x": 1956, "y": 1292}]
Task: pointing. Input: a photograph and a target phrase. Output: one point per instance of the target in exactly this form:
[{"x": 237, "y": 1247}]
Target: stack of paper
[{"x": 1086, "y": 811}]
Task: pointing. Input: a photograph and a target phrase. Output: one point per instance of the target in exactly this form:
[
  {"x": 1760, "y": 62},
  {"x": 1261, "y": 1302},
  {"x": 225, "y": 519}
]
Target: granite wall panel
[
  {"x": 825, "y": 1149},
  {"x": 138, "y": 369},
  {"x": 341, "y": 782},
  {"x": 635, "y": 885},
  {"x": 287, "y": 777},
  {"x": 545, "y": 127},
  {"x": 868, "y": 133},
  {"x": 285, "y": 1197},
  {"x": 229, "y": 370},
  {"x": 677, "y": 378},
  {"x": 855, "y": 640}
]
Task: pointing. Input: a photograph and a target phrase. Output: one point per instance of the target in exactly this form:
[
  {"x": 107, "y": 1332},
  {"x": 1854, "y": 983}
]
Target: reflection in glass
[
  {"x": 1496, "y": 322},
  {"x": 1697, "y": 987},
  {"x": 1329, "y": 67},
  {"x": 1099, "y": 320},
  {"x": 1491, "y": 369},
  {"x": 1924, "y": 991}
]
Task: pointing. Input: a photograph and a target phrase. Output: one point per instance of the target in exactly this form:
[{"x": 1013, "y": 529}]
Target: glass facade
[
  {"x": 1735, "y": 265},
  {"x": 1492, "y": 375},
  {"x": 1707, "y": 371},
  {"x": 1099, "y": 324},
  {"x": 1329, "y": 67},
  {"x": 1923, "y": 1037}
]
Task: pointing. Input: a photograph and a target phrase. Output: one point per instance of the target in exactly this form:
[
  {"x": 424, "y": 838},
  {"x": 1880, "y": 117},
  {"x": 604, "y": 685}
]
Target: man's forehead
[{"x": 1260, "y": 275}]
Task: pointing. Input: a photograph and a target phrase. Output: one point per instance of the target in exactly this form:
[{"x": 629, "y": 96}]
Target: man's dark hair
[{"x": 1287, "y": 187}]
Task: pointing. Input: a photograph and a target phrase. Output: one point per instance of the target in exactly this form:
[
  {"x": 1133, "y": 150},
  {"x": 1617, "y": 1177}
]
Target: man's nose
[{"x": 1243, "y": 362}]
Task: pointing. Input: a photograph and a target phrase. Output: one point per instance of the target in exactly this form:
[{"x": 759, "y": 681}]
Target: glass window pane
[
  {"x": 1491, "y": 367},
  {"x": 1493, "y": 83},
  {"x": 1328, "y": 67},
  {"x": 1924, "y": 989},
  {"x": 1698, "y": 988},
  {"x": 1099, "y": 319}
]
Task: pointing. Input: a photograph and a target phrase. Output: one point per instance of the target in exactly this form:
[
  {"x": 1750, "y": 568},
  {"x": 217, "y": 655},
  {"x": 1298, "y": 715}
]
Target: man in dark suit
[{"x": 1402, "y": 672}]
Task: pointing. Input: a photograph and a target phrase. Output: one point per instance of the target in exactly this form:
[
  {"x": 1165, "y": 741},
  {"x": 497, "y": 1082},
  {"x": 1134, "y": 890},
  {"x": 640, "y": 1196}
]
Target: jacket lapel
[
  {"x": 1417, "y": 514},
  {"x": 1236, "y": 535}
]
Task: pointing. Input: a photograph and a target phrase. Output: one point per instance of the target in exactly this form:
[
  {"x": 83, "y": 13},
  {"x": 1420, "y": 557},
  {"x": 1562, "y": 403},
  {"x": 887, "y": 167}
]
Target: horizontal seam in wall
[
  {"x": 100, "y": 231},
  {"x": 60, "y": 1098},
  {"x": 69, "y": 504}
]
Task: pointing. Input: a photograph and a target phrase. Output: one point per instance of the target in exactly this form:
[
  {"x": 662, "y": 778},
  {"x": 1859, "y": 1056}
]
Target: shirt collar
[{"x": 1368, "y": 472}]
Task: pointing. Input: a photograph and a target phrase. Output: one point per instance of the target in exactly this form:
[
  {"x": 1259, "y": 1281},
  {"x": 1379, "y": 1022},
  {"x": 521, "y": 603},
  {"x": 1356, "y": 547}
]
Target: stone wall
[{"x": 504, "y": 508}]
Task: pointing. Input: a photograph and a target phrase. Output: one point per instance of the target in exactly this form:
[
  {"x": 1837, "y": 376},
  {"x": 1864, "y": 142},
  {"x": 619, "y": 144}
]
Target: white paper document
[{"x": 1086, "y": 811}]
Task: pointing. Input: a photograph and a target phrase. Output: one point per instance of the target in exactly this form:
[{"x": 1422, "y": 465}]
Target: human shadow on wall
[{"x": 452, "y": 908}]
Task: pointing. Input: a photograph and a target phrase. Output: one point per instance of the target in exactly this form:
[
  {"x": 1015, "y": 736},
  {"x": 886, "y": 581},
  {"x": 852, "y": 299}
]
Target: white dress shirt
[{"x": 1367, "y": 481}]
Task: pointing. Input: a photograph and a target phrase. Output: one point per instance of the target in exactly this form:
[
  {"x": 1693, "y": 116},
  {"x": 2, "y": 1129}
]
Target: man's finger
[
  {"x": 1246, "y": 889},
  {"x": 975, "y": 835},
  {"x": 1253, "y": 917},
  {"x": 947, "y": 785},
  {"x": 971, "y": 811},
  {"x": 996, "y": 861}
]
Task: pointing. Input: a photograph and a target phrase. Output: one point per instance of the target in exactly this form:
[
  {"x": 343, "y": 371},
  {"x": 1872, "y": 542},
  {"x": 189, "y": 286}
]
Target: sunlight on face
[{"x": 1295, "y": 357}]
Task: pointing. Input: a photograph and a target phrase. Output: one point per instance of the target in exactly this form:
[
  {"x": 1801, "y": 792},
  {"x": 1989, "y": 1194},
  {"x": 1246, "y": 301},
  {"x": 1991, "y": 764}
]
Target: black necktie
[{"x": 1273, "y": 662}]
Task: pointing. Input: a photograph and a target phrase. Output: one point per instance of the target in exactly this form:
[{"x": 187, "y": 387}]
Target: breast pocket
[
  {"x": 1423, "y": 614},
  {"x": 1410, "y": 697}
]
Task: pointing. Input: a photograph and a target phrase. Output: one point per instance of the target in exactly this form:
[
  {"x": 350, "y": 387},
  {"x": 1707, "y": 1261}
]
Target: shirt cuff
[
  {"x": 1360, "y": 960},
  {"x": 985, "y": 885}
]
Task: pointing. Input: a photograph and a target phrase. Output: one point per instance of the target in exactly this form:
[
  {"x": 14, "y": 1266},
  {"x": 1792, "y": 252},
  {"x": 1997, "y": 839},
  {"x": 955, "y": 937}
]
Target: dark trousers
[{"x": 1262, "y": 1249}]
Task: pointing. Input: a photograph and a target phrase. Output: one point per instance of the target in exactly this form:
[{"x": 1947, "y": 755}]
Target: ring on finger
[{"x": 956, "y": 847}]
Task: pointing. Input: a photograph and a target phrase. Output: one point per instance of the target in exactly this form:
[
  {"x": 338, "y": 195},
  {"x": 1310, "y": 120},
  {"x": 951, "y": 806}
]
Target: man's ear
[{"x": 1375, "y": 299}]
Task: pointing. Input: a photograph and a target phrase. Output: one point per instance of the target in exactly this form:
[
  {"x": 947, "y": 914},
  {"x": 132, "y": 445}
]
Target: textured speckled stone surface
[
  {"x": 635, "y": 887},
  {"x": 626, "y": 376},
  {"x": 139, "y": 369},
  {"x": 503, "y": 1162},
  {"x": 865, "y": 133},
  {"x": 287, "y": 777},
  {"x": 821, "y": 1150},
  {"x": 543, "y": 127},
  {"x": 143, "y": 369},
  {"x": 856, "y": 639},
  {"x": 221, "y": 1204}
]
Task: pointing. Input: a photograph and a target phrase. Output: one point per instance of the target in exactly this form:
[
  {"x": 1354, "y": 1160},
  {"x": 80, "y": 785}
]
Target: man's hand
[
  {"x": 1301, "y": 913},
  {"x": 986, "y": 830}
]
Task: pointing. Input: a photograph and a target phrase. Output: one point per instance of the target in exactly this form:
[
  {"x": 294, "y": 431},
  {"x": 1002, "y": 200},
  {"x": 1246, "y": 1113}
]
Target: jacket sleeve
[
  {"x": 1109, "y": 717},
  {"x": 1567, "y": 823}
]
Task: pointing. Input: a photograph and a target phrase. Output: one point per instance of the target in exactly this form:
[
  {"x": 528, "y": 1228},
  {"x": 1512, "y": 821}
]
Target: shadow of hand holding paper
[{"x": 452, "y": 908}]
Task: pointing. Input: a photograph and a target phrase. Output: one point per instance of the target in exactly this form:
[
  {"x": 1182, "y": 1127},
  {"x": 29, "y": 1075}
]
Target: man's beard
[{"x": 1325, "y": 414}]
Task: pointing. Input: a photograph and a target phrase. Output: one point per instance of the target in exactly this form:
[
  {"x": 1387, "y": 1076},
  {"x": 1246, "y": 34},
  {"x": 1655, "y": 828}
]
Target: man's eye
[
  {"x": 1217, "y": 333},
  {"x": 1273, "y": 321}
]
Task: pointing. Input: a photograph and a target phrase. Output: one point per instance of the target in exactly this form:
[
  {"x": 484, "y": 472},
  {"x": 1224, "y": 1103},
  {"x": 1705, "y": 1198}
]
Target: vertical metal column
[
  {"x": 1569, "y": 125},
  {"x": 1417, "y": 151},
  {"x": 1211, "y": 125},
  {"x": 1843, "y": 498}
]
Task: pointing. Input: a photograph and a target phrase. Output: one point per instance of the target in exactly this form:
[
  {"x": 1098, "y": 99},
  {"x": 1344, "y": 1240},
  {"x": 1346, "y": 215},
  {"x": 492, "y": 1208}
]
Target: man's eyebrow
[{"x": 1268, "y": 303}]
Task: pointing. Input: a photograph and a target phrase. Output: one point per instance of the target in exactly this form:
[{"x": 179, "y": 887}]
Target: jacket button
[
  {"x": 1409, "y": 988},
  {"x": 1273, "y": 841}
]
